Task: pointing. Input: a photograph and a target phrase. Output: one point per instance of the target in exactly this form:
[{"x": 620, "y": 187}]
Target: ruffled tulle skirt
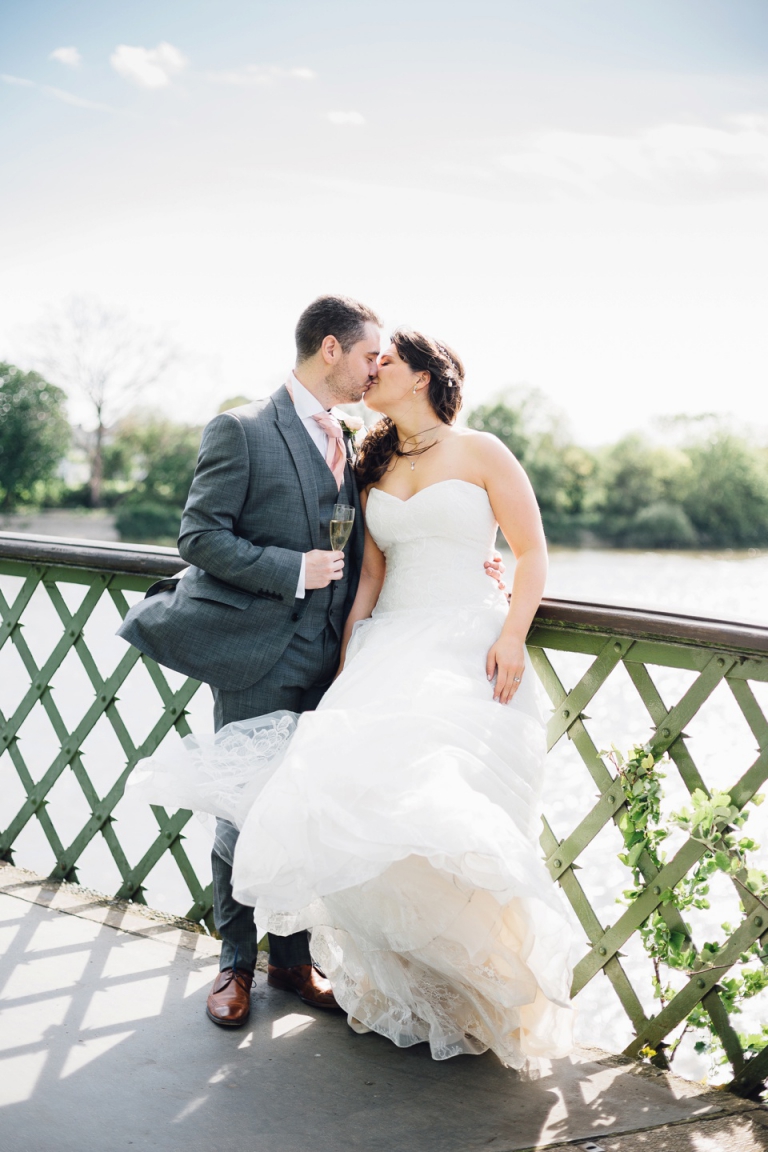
[{"x": 399, "y": 824}]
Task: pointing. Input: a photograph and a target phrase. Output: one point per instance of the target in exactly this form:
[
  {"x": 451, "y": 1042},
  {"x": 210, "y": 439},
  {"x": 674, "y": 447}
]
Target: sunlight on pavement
[
  {"x": 84, "y": 1051},
  {"x": 290, "y": 1025},
  {"x": 129, "y": 958},
  {"x": 133, "y": 1000},
  {"x": 199, "y": 978},
  {"x": 188, "y": 1109},
  {"x": 19, "y": 1076}
]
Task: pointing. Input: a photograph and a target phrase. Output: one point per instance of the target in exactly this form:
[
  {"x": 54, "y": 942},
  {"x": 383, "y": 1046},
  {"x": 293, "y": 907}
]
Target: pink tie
[{"x": 335, "y": 456}]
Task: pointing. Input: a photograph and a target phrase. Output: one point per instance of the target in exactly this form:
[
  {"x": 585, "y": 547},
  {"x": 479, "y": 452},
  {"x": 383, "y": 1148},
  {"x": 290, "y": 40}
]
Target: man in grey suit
[{"x": 260, "y": 612}]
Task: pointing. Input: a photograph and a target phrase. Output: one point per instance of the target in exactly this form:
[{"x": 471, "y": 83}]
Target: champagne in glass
[{"x": 342, "y": 519}]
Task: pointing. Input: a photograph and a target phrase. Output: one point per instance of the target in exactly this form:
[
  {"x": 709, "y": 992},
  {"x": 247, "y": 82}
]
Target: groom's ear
[{"x": 331, "y": 350}]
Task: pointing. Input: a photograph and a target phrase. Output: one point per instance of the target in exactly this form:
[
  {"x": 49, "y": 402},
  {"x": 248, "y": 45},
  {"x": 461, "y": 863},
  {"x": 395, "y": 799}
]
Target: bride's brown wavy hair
[{"x": 446, "y": 377}]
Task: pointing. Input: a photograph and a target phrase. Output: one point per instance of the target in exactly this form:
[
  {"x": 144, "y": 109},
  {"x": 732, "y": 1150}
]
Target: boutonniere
[{"x": 353, "y": 428}]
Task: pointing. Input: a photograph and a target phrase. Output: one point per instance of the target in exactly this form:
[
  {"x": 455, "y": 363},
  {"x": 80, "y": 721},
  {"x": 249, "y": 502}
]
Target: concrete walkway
[{"x": 105, "y": 1045}]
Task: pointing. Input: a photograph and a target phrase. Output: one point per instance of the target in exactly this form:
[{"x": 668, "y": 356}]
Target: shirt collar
[{"x": 306, "y": 404}]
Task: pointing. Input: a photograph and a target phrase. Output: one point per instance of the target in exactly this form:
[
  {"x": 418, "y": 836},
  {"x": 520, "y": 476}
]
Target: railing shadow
[{"x": 107, "y": 1045}]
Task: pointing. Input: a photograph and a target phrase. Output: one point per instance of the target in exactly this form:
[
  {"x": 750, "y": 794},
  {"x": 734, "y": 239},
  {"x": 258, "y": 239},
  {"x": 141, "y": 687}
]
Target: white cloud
[
  {"x": 75, "y": 101},
  {"x": 148, "y": 67},
  {"x": 665, "y": 160},
  {"x": 57, "y": 93},
  {"x": 259, "y": 74},
  {"x": 69, "y": 56},
  {"x": 356, "y": 118}
]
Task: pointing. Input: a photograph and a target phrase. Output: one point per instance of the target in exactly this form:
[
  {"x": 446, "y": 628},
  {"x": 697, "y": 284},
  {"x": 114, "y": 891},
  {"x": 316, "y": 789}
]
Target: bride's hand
[{"x": 506, "y": 660}]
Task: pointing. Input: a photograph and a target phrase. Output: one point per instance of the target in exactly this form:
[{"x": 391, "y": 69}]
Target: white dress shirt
[{"x": 306, "y": 405}]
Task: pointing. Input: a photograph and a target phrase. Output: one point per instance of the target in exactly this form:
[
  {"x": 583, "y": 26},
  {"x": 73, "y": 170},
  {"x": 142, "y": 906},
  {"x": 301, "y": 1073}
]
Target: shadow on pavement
[{"x": 105, "y": 1045}]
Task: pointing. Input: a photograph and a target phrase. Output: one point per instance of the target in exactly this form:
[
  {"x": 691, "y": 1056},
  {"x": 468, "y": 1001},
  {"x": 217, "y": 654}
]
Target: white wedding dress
[{"x": 399, "y": 822}]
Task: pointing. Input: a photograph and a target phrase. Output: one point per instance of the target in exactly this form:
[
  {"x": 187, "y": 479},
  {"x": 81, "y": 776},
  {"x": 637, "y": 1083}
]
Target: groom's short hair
[{"x": 338, "y": 316}]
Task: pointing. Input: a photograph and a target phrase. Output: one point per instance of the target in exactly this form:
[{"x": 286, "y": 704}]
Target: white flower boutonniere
[{"x": 353, "y": 427}]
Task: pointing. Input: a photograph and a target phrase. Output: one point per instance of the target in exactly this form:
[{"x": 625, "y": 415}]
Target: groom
[{"x": 260, "y": 612}]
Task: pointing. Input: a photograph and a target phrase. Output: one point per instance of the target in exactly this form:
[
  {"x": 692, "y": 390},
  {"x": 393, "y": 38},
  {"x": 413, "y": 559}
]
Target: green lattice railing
[
  {"x": 104, "y": 571},
  {"x": 77, "y": 579},
  {"x": 717, "y": 654}
]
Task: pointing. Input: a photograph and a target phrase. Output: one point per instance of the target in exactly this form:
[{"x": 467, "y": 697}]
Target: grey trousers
[{"x": 297, "y": 683}]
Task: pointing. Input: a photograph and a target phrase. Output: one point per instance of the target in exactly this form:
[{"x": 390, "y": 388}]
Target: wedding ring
[{"x": 516, "y": 679}]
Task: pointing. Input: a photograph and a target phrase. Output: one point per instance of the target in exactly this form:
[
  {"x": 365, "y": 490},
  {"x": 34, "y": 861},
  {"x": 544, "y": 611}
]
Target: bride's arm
[
  {"x": 514, "y": 506},
  {"x": 368, "y": 589}
]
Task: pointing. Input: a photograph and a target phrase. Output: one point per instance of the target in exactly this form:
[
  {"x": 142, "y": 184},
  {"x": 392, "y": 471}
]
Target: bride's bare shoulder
[{"x": 482, "y": 446}]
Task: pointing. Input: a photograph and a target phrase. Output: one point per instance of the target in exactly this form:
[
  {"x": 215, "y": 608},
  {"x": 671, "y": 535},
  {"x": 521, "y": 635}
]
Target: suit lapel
[
  {"x": 349, "y": 449},
  {"x": 301, "y": 448}
]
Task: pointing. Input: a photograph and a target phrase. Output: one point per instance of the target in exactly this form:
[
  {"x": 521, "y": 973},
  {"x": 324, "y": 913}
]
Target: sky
[{"x": 572, "y": 193}]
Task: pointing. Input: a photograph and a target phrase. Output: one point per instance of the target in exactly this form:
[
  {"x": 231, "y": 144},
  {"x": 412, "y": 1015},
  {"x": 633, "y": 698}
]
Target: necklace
[{"x": 416, "y": 451}]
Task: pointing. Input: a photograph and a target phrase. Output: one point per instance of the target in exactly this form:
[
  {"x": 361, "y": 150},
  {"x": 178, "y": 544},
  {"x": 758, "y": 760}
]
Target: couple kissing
[{"x": 376, "y": 766}]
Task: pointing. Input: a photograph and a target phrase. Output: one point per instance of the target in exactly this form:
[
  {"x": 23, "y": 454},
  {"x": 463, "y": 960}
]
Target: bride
[{"x": 399, "y": 821}]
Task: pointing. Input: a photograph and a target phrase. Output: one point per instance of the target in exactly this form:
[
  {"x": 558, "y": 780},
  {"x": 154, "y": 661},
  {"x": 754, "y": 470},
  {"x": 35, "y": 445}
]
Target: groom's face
[{"x": 357, "y": 369}]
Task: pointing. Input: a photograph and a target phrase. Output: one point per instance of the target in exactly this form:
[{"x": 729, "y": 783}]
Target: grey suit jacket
[{"x": 252, "y": 510}]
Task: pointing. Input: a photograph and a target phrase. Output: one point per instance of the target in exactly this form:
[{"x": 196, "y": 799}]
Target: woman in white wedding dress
[{"x": 399, "y": 821}]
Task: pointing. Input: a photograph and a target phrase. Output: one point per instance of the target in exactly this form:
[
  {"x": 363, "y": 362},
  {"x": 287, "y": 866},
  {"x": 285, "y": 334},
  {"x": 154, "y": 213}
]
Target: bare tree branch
[{"x": 107, "y": 358}]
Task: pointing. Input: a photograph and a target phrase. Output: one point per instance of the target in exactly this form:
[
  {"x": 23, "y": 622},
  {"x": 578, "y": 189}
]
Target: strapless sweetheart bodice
[{"x": 435, "y": 545}]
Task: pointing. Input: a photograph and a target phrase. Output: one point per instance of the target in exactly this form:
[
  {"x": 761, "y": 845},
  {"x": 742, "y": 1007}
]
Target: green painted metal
[
  {"x": 616, "y": 641},
  {"x": 714, "y": 665},
  {"x": 170, "y": 713}
]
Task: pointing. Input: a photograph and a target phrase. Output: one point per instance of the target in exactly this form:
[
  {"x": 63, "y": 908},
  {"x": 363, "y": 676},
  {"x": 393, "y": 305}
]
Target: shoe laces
[{"x": 241, "y": 976}]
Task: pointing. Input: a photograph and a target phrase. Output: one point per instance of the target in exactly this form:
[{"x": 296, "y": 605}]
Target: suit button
[{"x": 295, "y": 617}]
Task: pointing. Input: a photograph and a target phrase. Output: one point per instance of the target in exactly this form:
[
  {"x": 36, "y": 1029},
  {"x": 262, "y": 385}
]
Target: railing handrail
[
  {"x": 641, "y": 623},
  {"x": 102, "y": 555}
]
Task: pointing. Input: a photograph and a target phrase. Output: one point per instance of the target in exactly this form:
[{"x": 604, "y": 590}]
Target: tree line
[
  {"x": 699, "y": 485},
  {"x": 695, "y": 483}
]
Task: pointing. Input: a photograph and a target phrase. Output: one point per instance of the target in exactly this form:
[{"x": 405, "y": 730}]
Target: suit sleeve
[{"x": 207, "y": 537}]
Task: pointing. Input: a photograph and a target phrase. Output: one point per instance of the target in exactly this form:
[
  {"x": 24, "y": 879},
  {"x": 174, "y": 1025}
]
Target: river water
[
  {"x": 723, "y": 585},
  {"x": 728, "y": 585}
]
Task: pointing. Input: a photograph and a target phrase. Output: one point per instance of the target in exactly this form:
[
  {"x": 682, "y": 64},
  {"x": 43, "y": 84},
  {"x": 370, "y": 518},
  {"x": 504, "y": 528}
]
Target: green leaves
[
  {"x": 34, "y": 434},
  {"x": 711, "y": 820},
  {"x": 756, "y": 881},
  {"x": 636, "y": 852},
  {"x": 677, "y": 942},
  {"x": 639, "y": 823},
  {"x": 708, "y": 818}
]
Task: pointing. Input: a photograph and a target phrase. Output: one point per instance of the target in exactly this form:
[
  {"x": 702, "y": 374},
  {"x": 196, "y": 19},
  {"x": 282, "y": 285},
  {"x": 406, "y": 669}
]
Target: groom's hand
[{"x": 321, "y": 567}]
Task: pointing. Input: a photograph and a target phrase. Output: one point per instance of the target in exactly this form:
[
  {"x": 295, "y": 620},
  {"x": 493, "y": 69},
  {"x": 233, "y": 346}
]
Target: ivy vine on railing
[{"x": 713, "y": 821}]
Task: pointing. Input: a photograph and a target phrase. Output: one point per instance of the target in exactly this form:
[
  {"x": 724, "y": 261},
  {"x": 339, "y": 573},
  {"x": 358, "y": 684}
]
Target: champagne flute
[{"x": 342, "y": 519}]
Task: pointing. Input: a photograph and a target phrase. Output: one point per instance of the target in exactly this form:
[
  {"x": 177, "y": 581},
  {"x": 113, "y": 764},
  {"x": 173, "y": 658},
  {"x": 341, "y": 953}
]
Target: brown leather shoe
[
  {"x": 308, "y": 984},
  {"x": 229, "y": 1001}
]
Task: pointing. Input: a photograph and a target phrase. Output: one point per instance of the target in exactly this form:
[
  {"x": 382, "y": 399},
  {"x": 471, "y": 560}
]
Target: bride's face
[{"x": 393, "y": 384}]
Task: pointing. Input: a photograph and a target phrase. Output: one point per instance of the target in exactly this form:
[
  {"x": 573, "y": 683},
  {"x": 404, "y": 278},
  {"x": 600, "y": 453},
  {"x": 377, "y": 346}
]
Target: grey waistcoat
[
  {"x": 262, "y": 495},
  {"x": 326, "y": 604}
]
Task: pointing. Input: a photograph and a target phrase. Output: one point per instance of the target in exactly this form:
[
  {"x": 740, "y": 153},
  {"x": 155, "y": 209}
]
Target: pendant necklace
[{"x": 417, "y": 451}]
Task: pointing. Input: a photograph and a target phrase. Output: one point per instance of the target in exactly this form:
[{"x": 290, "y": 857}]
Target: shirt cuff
[{"x": 301, "y": 587}]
